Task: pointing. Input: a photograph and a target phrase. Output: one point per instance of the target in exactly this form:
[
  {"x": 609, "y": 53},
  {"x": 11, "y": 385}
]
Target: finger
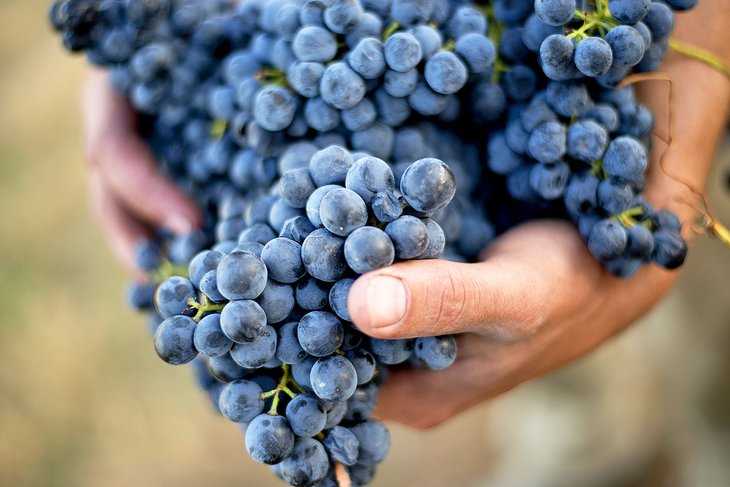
[
  {"x": 127, "y": 165},
  {"x": 121, "y": 230},
  {"x": 528, "y": 277}
]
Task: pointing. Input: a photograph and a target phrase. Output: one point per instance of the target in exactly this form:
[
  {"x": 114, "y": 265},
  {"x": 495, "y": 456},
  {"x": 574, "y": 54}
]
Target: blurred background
[{"x": 84, "y": 401}]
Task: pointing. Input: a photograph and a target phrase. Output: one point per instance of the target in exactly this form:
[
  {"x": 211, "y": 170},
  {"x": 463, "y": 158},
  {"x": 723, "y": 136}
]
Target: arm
[{"x": 538, "y": 300}]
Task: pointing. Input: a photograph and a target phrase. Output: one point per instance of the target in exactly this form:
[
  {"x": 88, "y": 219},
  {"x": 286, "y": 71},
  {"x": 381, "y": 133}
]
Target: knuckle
[{"x": 450, "y": 292}]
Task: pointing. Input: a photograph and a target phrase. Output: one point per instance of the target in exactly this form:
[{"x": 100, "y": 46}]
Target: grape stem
[
  {"x": 166, "y": 270},
  {"x": 284, "y": 383},
  {"x": 702, "y": 55},
  {"x": 218, "y": 128},
  {"x": 204, "y": 306}
]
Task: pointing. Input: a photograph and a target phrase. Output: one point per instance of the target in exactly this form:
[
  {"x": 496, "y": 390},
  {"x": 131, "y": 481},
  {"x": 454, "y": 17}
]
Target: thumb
[{"x": 528, "y": 276}]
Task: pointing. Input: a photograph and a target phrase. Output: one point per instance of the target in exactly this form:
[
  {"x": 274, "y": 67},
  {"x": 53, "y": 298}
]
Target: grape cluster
[{"x": 312, "y": 134}]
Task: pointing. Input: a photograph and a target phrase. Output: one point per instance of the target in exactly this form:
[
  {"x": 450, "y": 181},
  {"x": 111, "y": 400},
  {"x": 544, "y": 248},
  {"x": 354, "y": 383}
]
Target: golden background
[{"x": 84, "y": 401}]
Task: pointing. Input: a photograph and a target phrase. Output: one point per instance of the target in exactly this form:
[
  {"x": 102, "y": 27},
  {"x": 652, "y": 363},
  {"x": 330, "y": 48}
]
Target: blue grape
[
  {"x": 203, "y": 263},
  {"x": 301, "y": 372},
  {"x": 323, "y": 255},
  {"x": 241, "y": 275},
  {"x": 240, "y": 401},
  {"x": 242, "y": 320},
  {"x": 342, "y": 211},
  {"x": 445, "y": 73},
  {"x": 277, "y": 301},
  {"x": 547, "y": 143},
  {"x": 368, "y": 176},
  {"x": 289, "y": 350},
  {"x": 581, "y": 194},
  {"x": 274, "y": 108},
  {"x": 607, "y": 240},
  {"x": 386, "y": 206},
  {"x": 409, "y": 235},
  {"x": 314, "y": 44},
  {"x": 436, "y": 240},
  {"x": 392, "y": 112},
  {"x": 629, "y": 11},
  {"x": 429, "y": 38},
  {"x": 342, "y": 445},
  {"x": 330, "y": 166},
  {"x": 659, "y": 19},
  {"x": 338, "y": 298},
  {"x": 614, "y": 196},
  {"x": 626, "y": 44},
  {"x": 640, "y": 243},
  {"x": 320, "y": 115},
  {"x": 296, "y": 229},
  {"x": 670, "y": 249},
  {"x": 391, "y": 352},
  {"x": 362, "y": 403},
  {"x": 555, "y": 12},
  {"x": 320, "y": 333},
  {"x": 556, "y": 53},
  {"x": 368, "y": 59},
  {"x": 341, "y": 87},
  {"x": 283, "y": 260},
  {"x": 549, "y": 180},
  {"x": 477, "y": 51},
  {"x": 587, "y": 141},
  {"x": 174, "y": 340},
  {"x": 333, "y": 378},
  {"x": 426, "y": 101},
  {"x": 258, "y": 233},
  {"x": 307, "y": 465},
  {"x": 436, "y": 353},
  {"x": 593, "y": 56},
  {"x": 315, "y": 201},
  {"x": 359, "y": 117},
  {"x": 535, "y": 31},
  {"x": 488, "y": 102},
  {"x": 343, "y": 16},
  {"x": 428, "y": 185},
  {"x": 269, "y": 439},
  {"x": 500, "y": 158},
  {"x": 312, "y": 13},
  {"x": 402, "y": 52},
  {"x": 625, "y": 158},
  {"x": 364, "y": 364},
  {"x": 370, "y": 26},
  {"x": 568, "y": 99},
  {"x": 304, "y": 78},
  {"x": 254, "y": 354},
  {"x": 224, "y": 369},
  {"x": 173, "y": 295},
  {"x": 466, "y": 20},
  {"x": 376, "y": 140},
  {"x": 605, "y": 115},
  {"x": 209, "y": 338},
  {"x": 279, "y": 214},
  {"x": 374, "y": 441},
  {"x": 311, "y": 294},
  {"x": 306, "y": 415},
  {"x": 147, "y": 255},
  {"x": 367, "y": 249}
]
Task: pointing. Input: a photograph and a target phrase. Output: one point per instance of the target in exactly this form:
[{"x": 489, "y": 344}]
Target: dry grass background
[{"x": 85, "y": 402}]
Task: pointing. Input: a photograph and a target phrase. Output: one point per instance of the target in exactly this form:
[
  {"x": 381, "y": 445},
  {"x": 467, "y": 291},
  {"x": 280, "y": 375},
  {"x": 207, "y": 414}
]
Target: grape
[
  {"x": 277, "y": 301},
  {"x": 409, "y": 235},
  {"x": 172, "y": 296},
  {"x": 374, "y": 441},
  {"x": 269, "y": 439},
  {"x": 391, "y": 352},
  {"x": 289, "y": 350},
  {"x": 436, "y": 240},
  {"x": 437, "y": 353},
  {"x": 224, "y": 369},
  {"x": 629, "y": 11},
  {"x": 240, "y": 401},
  {"x": 320, "y": 116},
  {"x": 625, "y": 158},
  {"x": 402, "y": 52},
  {"x": 535, "y": 31},
  {"x": 312, "y": 13},
  {"x": 370, "y": 26},
  {"x": 659, "y": 19},
  {"x": 614, "y": 196},
  {"x": 342, "y": 445},
  {"x": 301, "y": 372},
  {"x": 555, "y": 12},
  {"x": 241, "y": 275},
  {"x": 283, "y": 260},
  {"x": 243, "y": 320},
  {"x": 466, "y": 20},
  {"x": 343, "y": 16},
  {"x": 581, "y": 194},
  {"x": 333, "y": 378},
  {"x": 445, "y": 73},
  {"x": 296, "y": 229},
  {"x": 209, "y": 338},
  {"x": 626, "y": 44},
  {"x": 342, "y": 211},
  {"x": 338, "y": 298},
  {"x": 376, "y": 140},
  {"x": 367, "y": 249},
  {"x": 274, "y": 108},
  {"x": 429, "y": 39},
  {"x": 314, "y": 44},
  {"x": 368, "y": 176},
  {"x": 426, "y": 101},
  {"x": 607, "y": 240},
  {"x": 587, "y": 141},
  {"x": 428, "y": 185},
  {"x": 640, "y": 242},
  {"x": 330, "y": 166},
  {"x": 593, "y": 56},
  {"x": 364, "y": 364},
  {"x": 477, "y": 51},
  {"x": 670, "y": 249},
  {"x": 368, "y": 59},
  {"x": 306, "y": 415},
  {"x": 254, "y": 354},
  {"x": 323, "y": 255},
  {"x": 547, "y": 143},
  {"x": 308, "y": 463},
  {"x": 549, "y": 180},
  {"x": 174, "y": 340},
  {"x": 320, "y": 333},
  {"x": 360, "y": 117},
  {"x": 341, "y": 87},
  {"x": 314, "y": 202}
]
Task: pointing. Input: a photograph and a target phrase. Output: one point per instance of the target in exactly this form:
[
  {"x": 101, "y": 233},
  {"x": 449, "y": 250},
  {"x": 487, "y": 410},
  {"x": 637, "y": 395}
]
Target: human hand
[{"x": 129, "y": 195}]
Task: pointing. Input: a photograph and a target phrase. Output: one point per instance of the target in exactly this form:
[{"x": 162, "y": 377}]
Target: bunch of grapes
[{"x": 313, "y": 133}]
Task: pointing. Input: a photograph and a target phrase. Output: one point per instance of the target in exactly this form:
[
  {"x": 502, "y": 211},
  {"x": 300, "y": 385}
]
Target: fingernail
[
  {"x": 387, "y": 301},
  {"x": 178, "y": 225}
]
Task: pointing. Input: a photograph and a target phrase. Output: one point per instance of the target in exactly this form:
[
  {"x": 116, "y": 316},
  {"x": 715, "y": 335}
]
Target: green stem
[
  {"x": 167, "y": 270},
  {"x": 203, "y": 307},
  {"x": 218, "y": 128},
  {"x": 283, "y": 386},
  {"x": 702, "y": 55},
  {"x": 390, "y": 30}
]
